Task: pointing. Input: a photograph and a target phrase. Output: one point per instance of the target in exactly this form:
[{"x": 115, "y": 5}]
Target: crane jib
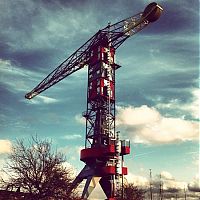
[{"x": 117, "y": 33}]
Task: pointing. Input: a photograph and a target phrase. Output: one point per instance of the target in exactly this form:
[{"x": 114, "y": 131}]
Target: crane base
[{"x": 92, "y": 179}]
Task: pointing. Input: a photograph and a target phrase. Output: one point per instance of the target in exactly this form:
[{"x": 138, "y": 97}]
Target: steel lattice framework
[
  {"x": 118, "y": 32},
  {"x": 103, "y": 152}
]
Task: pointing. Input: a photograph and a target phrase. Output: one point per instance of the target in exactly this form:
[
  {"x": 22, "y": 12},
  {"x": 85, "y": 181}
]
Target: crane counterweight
[
  {"x": 152, "y": 12},
  {"x": 104, "y": 151}
]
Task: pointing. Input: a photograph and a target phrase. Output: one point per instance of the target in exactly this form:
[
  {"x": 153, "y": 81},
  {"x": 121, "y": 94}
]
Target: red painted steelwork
[
  {"x": 97, "y": 152},
  {"x": 108, "y": 170},
  {"x": 124, "y": 170},
  {"x": 125, "y": 150}
]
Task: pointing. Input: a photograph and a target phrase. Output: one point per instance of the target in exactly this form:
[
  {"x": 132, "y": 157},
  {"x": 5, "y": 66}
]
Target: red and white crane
[{"x": 103, "y": 150}]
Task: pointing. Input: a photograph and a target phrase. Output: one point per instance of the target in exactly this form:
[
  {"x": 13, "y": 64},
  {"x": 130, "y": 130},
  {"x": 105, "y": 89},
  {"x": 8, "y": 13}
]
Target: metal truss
[{"x": 117, "y": 34}]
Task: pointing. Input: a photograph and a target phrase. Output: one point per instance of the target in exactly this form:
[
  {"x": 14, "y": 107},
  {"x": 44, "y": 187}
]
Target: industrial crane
[{"x": 104, "y": 151}]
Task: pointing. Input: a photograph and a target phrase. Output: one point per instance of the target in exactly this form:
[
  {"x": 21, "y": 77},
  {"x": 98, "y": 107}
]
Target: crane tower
[{"x": 103, "y": 150}]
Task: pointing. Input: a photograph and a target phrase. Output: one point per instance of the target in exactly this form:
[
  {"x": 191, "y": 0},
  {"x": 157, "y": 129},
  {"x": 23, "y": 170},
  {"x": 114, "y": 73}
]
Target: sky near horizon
[{"x": 157, "y": 87}]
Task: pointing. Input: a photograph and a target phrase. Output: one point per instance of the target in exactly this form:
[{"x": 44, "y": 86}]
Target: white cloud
[
  {"x": 170, "y": 183},
  {"x": 72, "y": 137},
  {"x": 136, "y": 116},
  {"x": 15, "y": 78},
  {"x": 3, "y": 173},
  {"x": 195, "y": 157},
  {"x": 72, "y": 152},
  {"x": 166, "y": 175},
  {"x": 194, "y": 185},
  {"x": 173, "y": 185},
  {"x": 9, "y": 68},
  {"x": 146, "y": 125},
  {"x": 47, "y": 100},
  {"x": 79, "y": 148},
  {"x": 42, "y": 100},
  {"x": 70, "y": 167},
  {"x": 139, "y": 181},
  {"x": 192, "y": 108},
  {"x": 5, "y": 146},
  {"x": 45, "y": 23},
  {"x": 80, "y": 119}
]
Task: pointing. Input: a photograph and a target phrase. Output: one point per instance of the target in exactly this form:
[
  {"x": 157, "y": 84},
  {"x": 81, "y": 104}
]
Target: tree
[
  {"x": 131, "y": 192},
  {"x": 37, "y": 170}
]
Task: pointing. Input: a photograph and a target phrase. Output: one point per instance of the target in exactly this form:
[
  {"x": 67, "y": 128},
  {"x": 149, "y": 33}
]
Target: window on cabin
[
  {"x": 105, "y": 91},
  {"x": 105, "y": 56}
]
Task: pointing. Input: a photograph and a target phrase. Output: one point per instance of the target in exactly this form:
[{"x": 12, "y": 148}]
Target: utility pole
[
  {"x": 122, "y": 177},
  {"x": 161, "y": 188},
  {"x": 185, "y": 193},
  {"x": 151, "y": 194}
]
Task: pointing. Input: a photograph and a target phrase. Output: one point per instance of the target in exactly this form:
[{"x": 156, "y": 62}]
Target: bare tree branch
[{"x": 36, "y": 169}]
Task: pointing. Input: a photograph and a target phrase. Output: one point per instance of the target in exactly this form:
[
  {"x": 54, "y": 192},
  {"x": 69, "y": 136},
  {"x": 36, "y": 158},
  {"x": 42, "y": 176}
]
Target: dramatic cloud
[
  {"x": 139, "y": 181},
  {"x": 166, "y": 175},
  {"x": 15, "y": 78},
  {"x": 194, "y": 185},
  {"x": 36, "y": 31},
  {"x": 189, "y": 108},
  {"x": 170, "y": 183},
  {"x": 146, "y": 125},
  {"x": 159, "y": 71},
  {"x": 5, "y": 146}
]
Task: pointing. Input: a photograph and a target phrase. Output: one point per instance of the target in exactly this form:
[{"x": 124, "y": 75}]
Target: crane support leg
[
  {"x": 107, "y": 185},
  {"x": 84, "y": 174},
  {"x": 91, "y": 183}
]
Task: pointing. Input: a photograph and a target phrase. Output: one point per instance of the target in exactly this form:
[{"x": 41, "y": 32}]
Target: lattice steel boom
[{"x": 118, "y": 33}]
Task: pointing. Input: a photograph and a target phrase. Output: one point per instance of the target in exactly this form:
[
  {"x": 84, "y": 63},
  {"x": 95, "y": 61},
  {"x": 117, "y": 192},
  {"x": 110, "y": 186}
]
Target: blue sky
[{"x": 157, "y": 87}]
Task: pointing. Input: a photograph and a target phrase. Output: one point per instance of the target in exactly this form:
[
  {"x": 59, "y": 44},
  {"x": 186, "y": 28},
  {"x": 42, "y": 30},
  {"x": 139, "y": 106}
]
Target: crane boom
[{"x": 117, "y": 33}]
